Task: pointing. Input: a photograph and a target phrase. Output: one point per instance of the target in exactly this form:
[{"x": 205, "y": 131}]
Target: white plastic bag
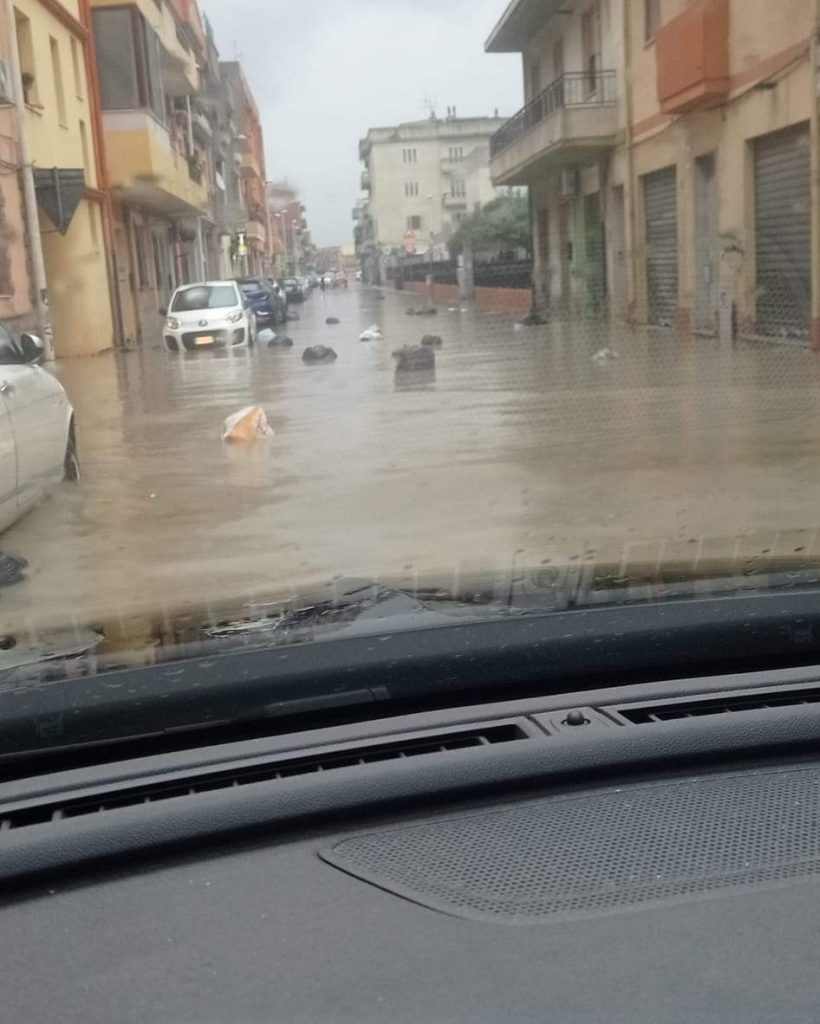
[{"x": 247, "y": 425}]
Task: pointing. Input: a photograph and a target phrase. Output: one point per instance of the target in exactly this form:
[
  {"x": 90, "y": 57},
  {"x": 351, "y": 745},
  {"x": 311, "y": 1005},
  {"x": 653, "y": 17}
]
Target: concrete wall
[{"x": 75, "y": 263}]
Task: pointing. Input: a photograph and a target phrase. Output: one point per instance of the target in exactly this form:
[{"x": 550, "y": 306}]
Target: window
[
  {"x": 459, "y": 217},
  {"x": 129, "y": 61},
  {"x": 92, "y": 225},
  {"x": 652, "y": 18},
  {"x": 455, "y": 154},
  {"x": 590, "y": 47},
  {"x": 84, "y": 144},
  {"x": 28, "y": 72},
  {"x": 459, "y": 188},
  {"x": 75, "y": 63},
  {"x": 57, "y": 73},
  {"x": 409, "y": 156},
  {"x": 535, "y": 79},
  {"x": 142, "y": 263},
  {"x": 414, "y": 223},
  {"x": 411, "y": 188},
  {"x": 558, "y": 59}
]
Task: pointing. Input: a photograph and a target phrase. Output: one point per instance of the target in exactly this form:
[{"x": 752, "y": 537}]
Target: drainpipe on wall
[
  {"x": 35, "y": 242},
  {"x": 101, "y": 164}
]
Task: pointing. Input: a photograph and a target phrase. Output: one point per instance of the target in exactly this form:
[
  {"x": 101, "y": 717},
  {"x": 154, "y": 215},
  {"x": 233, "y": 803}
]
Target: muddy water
[{"x": 520, "y": 448}]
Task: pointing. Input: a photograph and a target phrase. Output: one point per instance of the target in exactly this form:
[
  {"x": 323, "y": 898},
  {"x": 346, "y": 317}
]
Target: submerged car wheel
[{"x": 71, "y": 465}]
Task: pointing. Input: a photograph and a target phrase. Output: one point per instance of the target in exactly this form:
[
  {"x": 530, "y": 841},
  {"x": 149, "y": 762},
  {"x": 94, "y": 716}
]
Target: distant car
[
  {"x": 307, "y": 286},
  {"x": 209, "y": 314},
  {"x": 329, "y": 280},
  {"x": 341, "y": 280},
  {"x": 358, "y": 276},
  {"x": 267, "y": 304},
  {"x": 38, "y": 444},
  {"x": 294, "y": 292}
]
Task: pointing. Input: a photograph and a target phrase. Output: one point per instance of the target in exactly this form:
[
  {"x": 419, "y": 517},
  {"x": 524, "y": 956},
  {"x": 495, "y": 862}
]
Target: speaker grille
[{"x": 601, "y": 852}]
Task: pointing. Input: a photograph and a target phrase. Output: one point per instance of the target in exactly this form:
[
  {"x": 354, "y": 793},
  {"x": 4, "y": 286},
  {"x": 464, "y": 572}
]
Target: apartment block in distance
[
  {"x": 671, "y": 148},
  {"x": 415, "y": 181}
]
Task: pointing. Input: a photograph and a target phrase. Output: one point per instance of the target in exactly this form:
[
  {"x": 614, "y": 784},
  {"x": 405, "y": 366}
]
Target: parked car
[
  {"x": 209, "y": 314},
  {"x": 38, "y": 444},
  {"x": 268, "y": 306},
  {"x": 294, "y": 292}
]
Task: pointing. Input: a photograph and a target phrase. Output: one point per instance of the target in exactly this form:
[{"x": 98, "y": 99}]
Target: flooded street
[{"x": 521, "y": 448}]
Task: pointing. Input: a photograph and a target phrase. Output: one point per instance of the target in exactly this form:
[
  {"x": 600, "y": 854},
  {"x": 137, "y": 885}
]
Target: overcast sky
[{"x": 324, "y": 72}]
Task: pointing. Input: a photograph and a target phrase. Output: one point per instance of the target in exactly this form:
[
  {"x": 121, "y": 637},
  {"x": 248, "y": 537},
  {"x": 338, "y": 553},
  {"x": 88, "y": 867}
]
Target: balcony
[
  {"x": 255, "y": 230},
  {"x": 454, "y": 202},
  {"x": 251, "y": 168},
  {"x": 575, "y": 118},
  {"x": 365, "y": 181},
  {"x": 145, "y": 168},
  {"x": 693, "y": 58}
]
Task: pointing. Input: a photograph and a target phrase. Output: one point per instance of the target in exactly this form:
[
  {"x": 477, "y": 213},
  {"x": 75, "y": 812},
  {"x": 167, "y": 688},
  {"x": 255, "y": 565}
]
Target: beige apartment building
[
  {"x": 420, "y": 179},
  {"x": 670, "y": 147}
]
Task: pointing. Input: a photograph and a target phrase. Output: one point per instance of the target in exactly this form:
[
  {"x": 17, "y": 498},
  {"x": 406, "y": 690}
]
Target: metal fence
[{"x": 574, "y": 89}]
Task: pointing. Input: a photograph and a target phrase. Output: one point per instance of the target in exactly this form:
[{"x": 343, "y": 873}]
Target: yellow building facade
[
  {"x": 148, "y": 54},
  {"x": 52, "y": 41}
]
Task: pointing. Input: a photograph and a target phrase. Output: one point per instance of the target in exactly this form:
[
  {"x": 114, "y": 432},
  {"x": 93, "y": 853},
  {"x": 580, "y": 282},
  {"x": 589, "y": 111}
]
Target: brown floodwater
[{"x": 519, "y": 449}]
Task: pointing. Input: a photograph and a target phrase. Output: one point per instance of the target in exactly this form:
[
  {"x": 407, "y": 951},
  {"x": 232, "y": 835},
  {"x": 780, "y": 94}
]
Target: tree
[{"x": 502, "y": 224}]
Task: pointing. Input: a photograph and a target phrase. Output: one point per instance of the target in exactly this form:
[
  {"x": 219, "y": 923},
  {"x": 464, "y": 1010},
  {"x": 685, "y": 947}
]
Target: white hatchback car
[
  {"x": 38, "y": 445},
  {"x": 209, "y": 314}
]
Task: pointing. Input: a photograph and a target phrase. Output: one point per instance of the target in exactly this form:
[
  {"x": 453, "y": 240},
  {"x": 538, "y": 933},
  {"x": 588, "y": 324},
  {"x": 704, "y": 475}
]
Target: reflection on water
[
  {"x": 415, "y": 380},
  {"x": 519, "y": 448}
]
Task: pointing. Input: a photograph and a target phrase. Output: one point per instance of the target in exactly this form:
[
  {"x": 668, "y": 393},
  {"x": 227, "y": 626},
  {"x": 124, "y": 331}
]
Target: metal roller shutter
[
  {"x": 783, "y": 234},
  {"x": 661, "y": 205}
]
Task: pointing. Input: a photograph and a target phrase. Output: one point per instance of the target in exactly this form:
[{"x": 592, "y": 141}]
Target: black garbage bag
[
  {"x": 319, "y": 354},
  {"x": 414, "y": 358}
]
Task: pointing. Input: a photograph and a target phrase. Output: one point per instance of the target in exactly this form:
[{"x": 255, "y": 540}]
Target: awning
[{"x": 59, "y": 191}]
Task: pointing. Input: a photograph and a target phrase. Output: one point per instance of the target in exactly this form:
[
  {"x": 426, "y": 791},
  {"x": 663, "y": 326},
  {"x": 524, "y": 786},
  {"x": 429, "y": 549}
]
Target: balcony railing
[{"x": 575, "y": 89}]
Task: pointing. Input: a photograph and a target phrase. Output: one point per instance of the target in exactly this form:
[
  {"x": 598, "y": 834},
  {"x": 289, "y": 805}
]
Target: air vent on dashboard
[
  {"x": 272, "y": 769},
  {"x": 675, "y": 710}
]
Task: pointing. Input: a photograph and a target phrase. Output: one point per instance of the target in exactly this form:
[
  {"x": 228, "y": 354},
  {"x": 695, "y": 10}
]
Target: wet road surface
[{"x": 520, "y": 449}]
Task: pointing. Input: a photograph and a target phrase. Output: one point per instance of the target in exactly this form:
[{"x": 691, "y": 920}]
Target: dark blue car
[{"x": 266, "y": 304}]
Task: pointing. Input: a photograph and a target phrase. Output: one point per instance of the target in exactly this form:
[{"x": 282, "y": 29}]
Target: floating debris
[
  {"x": 414, "y": 358},
  {"x": 247, "y": 426},
  {"x": 319, "y": 354}
]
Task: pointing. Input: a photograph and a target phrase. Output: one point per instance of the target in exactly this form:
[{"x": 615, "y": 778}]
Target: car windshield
[
  {"x": 540, "y": 330},
  {"x": 221, "y": 296}
]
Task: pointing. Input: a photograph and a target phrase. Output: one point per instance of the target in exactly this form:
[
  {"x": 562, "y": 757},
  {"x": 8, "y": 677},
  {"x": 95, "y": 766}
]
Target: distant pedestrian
[{"x": 322, "y": 283}]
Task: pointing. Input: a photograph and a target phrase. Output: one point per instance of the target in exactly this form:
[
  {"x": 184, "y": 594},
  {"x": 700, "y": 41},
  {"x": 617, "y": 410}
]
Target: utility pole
[{"x": 38, "y": 265}]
